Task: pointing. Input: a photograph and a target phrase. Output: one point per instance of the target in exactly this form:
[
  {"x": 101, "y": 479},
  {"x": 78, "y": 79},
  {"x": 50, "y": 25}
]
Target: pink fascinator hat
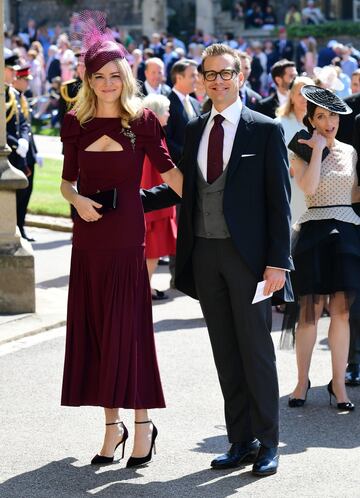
[{"x": 98, "y": 45}]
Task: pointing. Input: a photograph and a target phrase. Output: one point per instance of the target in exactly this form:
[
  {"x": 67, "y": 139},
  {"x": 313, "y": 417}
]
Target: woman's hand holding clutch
[
  {"x": 86, "y": 208},
  {"x": 316, "y": 141}
]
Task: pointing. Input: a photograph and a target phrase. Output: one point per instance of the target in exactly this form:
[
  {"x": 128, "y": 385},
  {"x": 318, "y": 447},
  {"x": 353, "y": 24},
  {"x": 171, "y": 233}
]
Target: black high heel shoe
[
  {"x": 298, "y": 402},
  {"x": 137, "y": 461},
  {"x": 100, "y": 459},
  {"x": 347, "y": 405}
]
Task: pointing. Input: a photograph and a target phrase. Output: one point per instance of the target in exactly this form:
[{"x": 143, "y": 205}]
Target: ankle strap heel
[
  {"x": 138, "y": 461},
  {"x": 101, "y": 459}
]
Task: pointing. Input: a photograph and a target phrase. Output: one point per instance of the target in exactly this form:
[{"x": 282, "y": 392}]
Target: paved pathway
[{"x": 46, "y": 449}]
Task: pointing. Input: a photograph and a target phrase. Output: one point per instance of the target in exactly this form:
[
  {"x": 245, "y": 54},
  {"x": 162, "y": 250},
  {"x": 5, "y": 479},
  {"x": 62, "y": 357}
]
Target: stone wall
[{"x": 120, "y": 12}]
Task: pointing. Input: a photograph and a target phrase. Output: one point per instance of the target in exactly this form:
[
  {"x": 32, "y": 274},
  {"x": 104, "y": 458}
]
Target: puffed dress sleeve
[
  {"x": 70, "y": 132},
  {"x": 154, "y": 142}
]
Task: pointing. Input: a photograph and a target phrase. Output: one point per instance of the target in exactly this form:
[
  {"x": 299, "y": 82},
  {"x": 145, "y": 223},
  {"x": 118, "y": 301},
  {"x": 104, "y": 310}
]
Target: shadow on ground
[
  {"x": 54, "y": 244},
  {"x": 63, "y": 479},
  {"x": 179, "y": 324},
  {"x": 315, "y": 425}
]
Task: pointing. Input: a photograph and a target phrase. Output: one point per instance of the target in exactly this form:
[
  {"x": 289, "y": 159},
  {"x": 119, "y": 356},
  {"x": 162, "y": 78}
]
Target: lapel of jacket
[
  {"x": 180, "y": 108},
  {"x": 242, "y": 137},
  {"x": 191, "y": 157}
]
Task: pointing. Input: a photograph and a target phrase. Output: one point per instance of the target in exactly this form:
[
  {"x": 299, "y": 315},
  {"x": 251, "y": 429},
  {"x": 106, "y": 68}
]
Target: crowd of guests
[
  {"x": 294, "y": 88},
  {"x": 52, "y": 54},
  {"x": 263, "y": 15}
]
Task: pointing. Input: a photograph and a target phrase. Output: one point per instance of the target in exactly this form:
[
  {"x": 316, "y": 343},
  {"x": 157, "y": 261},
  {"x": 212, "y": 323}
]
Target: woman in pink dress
[
  {"x": 161, "y": 228},
  {"x": 110, "y": 358}
]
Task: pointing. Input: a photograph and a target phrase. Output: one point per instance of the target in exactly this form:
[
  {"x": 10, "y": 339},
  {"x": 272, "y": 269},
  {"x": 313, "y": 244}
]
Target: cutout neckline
[{"x": 104, "y": 144}]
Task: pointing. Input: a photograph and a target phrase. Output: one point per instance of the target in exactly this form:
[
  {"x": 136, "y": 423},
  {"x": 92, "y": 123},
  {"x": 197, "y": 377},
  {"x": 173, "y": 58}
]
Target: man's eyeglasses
[{"x": 225, "y": 74}]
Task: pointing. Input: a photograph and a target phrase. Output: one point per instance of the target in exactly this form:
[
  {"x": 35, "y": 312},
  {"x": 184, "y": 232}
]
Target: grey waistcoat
[{"x": 209, "y": 220}]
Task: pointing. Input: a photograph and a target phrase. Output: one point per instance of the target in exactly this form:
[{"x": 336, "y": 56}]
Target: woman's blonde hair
[
  {"x": 130, "y": 105},
  {"x": 288, "y": 107},
  {"x": 159, "y": 104}
]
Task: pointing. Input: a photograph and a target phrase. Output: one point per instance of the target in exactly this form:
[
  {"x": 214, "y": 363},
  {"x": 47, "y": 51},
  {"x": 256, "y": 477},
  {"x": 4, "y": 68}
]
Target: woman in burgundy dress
[
  {"x": 110, "y": 357},
  {"x": 161, "y": 228}
]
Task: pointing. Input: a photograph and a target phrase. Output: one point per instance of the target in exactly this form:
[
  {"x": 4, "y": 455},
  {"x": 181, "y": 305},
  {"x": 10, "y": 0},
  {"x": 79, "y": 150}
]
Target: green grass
[
  {"x": 39, "y": 129},
  {"x": 46, "y": 197}
]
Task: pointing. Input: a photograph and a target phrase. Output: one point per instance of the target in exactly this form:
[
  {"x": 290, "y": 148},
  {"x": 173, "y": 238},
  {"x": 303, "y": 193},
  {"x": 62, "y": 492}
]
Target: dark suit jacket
[
  {"x": 175, "y": 128},
  {"x": 164, "y": 90},
  {"x": 287, "y": 52},
  {"x": 346, "y": 126},
  {"x": 256, "y": 198},
  {"x": 17, "y": 127},
  {"x": 299, "y": 57},
  {"x": 356, "y": 142},
  {"x": 251, "y": 98},
  {"x": 268, "y": 105}
]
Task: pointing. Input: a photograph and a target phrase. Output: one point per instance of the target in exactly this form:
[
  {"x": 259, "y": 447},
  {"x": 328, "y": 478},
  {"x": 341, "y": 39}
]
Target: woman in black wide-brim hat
[{"x": 326, "y": 251}]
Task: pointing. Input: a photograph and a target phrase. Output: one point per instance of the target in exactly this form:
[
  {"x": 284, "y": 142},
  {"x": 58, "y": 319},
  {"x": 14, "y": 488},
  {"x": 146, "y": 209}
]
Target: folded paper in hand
[{"x": 259, "y": 293}]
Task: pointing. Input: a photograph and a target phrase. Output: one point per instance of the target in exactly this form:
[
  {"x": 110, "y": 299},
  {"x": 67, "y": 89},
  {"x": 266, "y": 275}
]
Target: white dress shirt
[
  {"x": 282, "y": 98},
  {"x": 232, "y": 117},
  {"x": 151, "y": 90},
  {"x": 185, "y": 100},
  {"x": 179, "y": 94}
]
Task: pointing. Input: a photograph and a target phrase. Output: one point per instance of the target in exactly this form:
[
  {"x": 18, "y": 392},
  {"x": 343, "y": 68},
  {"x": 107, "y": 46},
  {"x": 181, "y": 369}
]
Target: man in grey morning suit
[{"x": 234, "y": 231}]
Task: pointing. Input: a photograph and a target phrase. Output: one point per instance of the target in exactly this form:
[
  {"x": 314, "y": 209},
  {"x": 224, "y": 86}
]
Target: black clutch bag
[
  {"x": 107, "y": 198},
  {"x": 303, "y": 150}
]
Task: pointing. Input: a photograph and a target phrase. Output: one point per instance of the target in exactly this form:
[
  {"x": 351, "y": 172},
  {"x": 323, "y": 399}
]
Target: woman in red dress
[
  {"x": 161, "y": 228},
  {"x": 110, "y": 357}
]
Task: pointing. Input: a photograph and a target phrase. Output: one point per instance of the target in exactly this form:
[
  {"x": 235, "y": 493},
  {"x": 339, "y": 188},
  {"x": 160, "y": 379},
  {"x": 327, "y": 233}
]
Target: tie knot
[{"x": 218, "y": 119}]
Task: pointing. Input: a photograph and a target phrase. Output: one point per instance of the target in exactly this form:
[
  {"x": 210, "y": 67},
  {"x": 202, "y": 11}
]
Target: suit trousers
[
  {"x": 22, "y": 200},
  {"x": 240, "y": 336}
]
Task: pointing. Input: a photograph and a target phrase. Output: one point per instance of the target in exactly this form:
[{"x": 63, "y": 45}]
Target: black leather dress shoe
[
  {"x": 237, "y": 454},
  {"x": 352, "y": 376},
  {"x": 266, "y": 462}
]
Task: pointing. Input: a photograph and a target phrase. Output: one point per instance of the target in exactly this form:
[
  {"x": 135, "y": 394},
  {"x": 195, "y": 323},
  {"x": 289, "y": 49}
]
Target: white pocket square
[{"x": 248, "y": 155}]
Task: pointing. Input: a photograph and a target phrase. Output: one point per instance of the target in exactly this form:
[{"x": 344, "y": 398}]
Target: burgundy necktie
[{"x": 215, "y": 150}]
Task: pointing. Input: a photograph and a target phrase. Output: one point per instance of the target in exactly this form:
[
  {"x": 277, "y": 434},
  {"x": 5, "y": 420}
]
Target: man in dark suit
[
  {"x": 21, "y": 84},
  {"x": 352, "y": 377},
  {"x": 284, "y": 48},
  {"x": 346, "y": 127},
  {"x": 183, "y": 107},
  {"x": 234, "y": 231},
  {"x": 17, "y": 128},
  {"x": 301, "y": 50},
  {"x": 247, "y": 95},
  {"x": 283, "y": 73},
  {"x": 154, "y": 78}
]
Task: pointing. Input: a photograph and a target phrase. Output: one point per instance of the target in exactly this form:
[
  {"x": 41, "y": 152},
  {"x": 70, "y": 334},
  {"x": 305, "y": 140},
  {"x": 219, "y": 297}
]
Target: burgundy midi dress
[{"x": 110, "y": 357}]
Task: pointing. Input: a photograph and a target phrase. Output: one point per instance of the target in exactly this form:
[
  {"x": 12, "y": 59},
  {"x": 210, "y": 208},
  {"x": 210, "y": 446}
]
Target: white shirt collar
[
  {"x": 231, "y": 113},
  {"x": 282, "y": 98},
  {"x": 181, "y": 96},
  {"x": 151, "y": 89}
]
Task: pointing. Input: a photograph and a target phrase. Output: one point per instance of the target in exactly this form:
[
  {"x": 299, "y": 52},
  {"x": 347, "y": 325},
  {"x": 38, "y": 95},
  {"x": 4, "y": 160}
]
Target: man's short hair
[
  {"x": 221, "y": 49},
  {"x": 355, "y": 73},
  {"x": 154, "y": 60},
  {"x": 245, "y": 55},
  {"x": 180, "y": 67},
  {"x": 279, "y": 68}
]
